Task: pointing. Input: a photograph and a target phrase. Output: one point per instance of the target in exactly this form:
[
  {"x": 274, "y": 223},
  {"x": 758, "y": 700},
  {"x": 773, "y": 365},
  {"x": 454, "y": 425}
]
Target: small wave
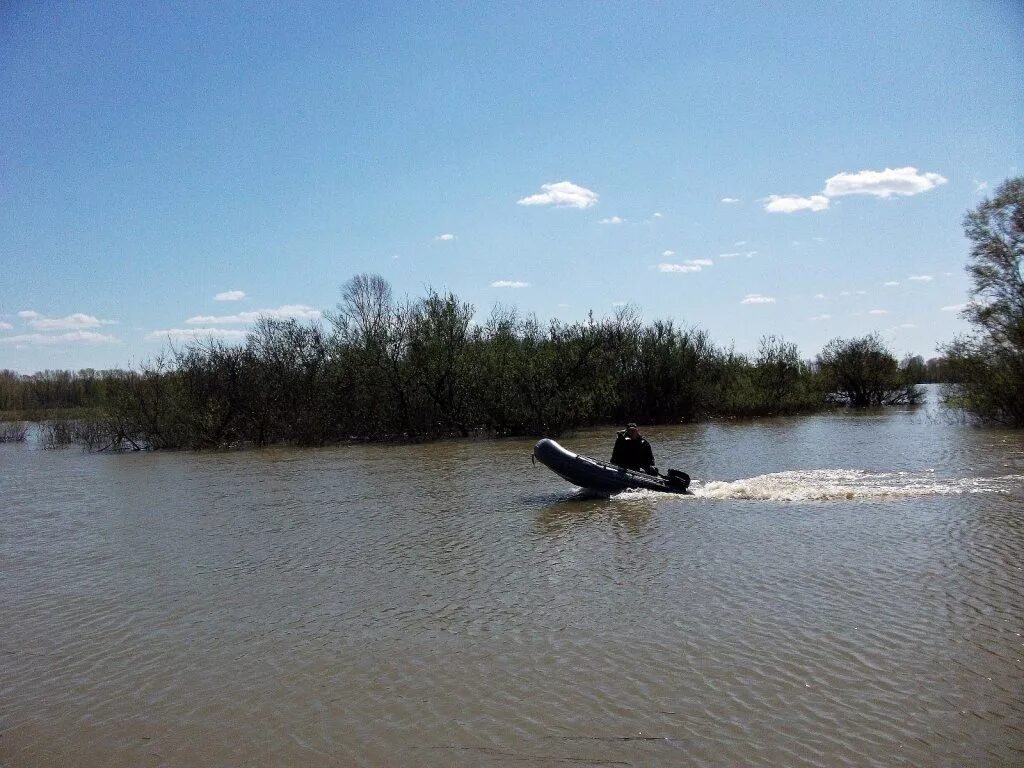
[{"x": 829, "y": 484}]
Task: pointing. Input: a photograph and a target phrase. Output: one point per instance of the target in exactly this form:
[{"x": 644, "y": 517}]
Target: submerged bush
[
  {"x": 382, "y": 368},
  {"x": 862, "y": 372}
]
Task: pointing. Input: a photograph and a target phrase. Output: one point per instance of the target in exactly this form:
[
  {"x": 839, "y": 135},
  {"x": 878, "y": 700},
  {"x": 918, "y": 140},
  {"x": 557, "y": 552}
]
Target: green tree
[
  {"x": 987, "y": 367},
  {"x": 863, "y": 372}
]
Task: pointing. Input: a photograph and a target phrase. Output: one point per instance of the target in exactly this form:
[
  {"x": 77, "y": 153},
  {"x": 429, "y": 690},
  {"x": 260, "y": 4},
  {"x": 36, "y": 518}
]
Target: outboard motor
[{"x": 678, "y": 480}]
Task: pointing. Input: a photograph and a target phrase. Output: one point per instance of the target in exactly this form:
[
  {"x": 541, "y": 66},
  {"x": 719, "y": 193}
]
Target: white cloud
[
  {"x": 656, "y": 215},
  {"x": 48, "y": 340},
  {"x": 878, "y": 311},
  {"x": 446, "y": 237},
  {"x": 612, "y": 220},
  {"x": 740, "y": 243},
  {"x": 563, "y": 194},
  {"x": 691, "y": 265},
  {"x": 285, "y": 312},
  {"x": 862, "y": 293},
  {"x": 734, "y": 254},
  {"x": 980, "y": 186},
  {"x": 891, "y": 283},
  {"x": 822, "y": 317},
  {"x": 955, "y": 308},
  {"x": 620, "y": 303},
  {"x": 757, "y": 298},
  {"x": 921, "y": 278},
  {"x": 730, "y": 200},
  {"x": 892, "y": 181},
  {"x": 5, "y": 326},
  {"x": 229, "y": 296},
  {"x": 191, "y": 334},
  {"x": 907, "y": 325},
  {"x": 792, "y": 203},
  {"x": 819, "y": 295},
  {"x": 668, "y": 254},
  {"x": 845, "y": 293},
  {"x": 509, "y": 284},
  {"x": 72, "y": 322}
]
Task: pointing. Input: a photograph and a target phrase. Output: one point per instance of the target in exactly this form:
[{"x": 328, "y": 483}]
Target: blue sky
[{"x": 787, "y": 168}]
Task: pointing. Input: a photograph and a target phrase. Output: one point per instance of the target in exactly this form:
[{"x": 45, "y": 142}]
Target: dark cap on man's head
[{"x": 631, "y": 425}]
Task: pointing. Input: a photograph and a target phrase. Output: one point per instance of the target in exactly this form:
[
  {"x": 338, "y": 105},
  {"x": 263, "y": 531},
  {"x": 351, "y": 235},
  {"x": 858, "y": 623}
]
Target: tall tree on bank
[{"x": 988, "y": 366}]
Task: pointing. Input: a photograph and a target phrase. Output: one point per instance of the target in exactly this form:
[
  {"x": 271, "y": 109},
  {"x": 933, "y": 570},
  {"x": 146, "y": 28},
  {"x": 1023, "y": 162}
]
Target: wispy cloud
[
  {"x": 75, "y": 321},
  {"x": 510, "y": 284},
  {"x": 446, "y": 237},
  {"x": 691, "y": 265},
  {"x": 612, "y": 220},
  {"x": 921, "y": 278},
  {"x": 5, "y": 326},
  {"x": 878, "y": 311},
  {"x": 668, "y": 254},
  {"x": 955, "y": 307},
  {"x": 730, "y": 200},
  {"x": 793, "y": 203},
  {"x": 819, "y": 295},
  {"x": 229, "y": 296},
  {"x": 891, "y": 283},
  {"x": 888, "y": 183},
  {"x": 656, "y": 215},
  {"x": 562, "y": 194},
  {"x": 191, "y": 334},
  {"x": 757, "y": 298},
  {"x": 285, "y": 312},
  {"x": 58, "y": 339},
  {"x": 734, "y": 254},
  {"x": 980, "y": 186},
  {"x": 822, "y": 317}
]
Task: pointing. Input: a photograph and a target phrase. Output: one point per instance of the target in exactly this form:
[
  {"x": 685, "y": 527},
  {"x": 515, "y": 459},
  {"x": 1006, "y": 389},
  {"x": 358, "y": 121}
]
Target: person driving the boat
[{"x": 632, "y": 451}]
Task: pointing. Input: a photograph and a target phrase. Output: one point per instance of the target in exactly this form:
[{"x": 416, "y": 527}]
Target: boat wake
[
  {"x": 833, "y": 484},
  {"x": 836, "y": 484}
]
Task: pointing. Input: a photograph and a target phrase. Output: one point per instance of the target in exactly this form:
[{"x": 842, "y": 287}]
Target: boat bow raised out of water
[{"x": 601, "y": 476}]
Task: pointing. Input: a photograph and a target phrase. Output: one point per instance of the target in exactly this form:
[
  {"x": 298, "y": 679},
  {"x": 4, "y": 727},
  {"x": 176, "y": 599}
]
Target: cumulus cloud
[
  {"x": 191, "y": 334},
  {"x": 921, "y": 278},
  {"x": 229, "y": 296},
  {"x": 446, "y": 237},
  {"x": 757, "y": 298},
  {"x": 612, "y": 220},
  {"x": 285, "y": 312},
  {"x": 793, "y": 203},
  {"x": 668, "y": 254},
  {"x": 730, "y": 200},
  {"x": 55, "y": 339},
  {"x": 509, "y": 284},
  {"x": 562, "y": 194},
  {"x": 691, "y": 265},
  {"x": 892, "y": 181},
  {"x": 5, "y": 326}
]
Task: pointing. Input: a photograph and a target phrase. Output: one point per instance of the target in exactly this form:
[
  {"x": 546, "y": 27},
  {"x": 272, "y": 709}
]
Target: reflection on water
[{"x": 842, "y": 589}]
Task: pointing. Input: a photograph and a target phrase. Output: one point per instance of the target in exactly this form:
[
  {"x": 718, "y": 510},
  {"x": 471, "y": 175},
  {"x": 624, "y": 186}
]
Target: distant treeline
[
  {"x": 34, "y": 395},
  {"x": 383, "y": 369}
]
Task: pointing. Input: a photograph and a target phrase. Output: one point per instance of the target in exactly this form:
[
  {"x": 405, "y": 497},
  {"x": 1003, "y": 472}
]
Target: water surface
[{"x": 843, "y": 589}]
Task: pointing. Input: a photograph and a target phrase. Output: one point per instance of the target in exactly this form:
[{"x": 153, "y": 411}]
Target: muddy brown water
[{"x": 843, "y": 590}]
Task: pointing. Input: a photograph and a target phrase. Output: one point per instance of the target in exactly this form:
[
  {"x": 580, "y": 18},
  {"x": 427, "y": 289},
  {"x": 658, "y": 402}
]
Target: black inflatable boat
[{"x": 601, "y": 476}]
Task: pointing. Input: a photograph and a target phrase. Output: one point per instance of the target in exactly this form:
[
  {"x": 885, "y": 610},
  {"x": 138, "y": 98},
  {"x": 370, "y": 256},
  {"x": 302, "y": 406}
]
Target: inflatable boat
[{"x": 601, "y": 476}]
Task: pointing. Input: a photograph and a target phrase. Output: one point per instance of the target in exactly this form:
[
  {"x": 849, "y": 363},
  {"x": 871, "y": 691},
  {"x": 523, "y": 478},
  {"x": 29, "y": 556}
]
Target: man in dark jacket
[{"x": 631, "y": 451}]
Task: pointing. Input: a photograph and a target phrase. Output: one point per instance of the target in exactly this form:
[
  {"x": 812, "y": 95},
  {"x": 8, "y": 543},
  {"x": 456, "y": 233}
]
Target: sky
[{"x": 170, "y": 171}]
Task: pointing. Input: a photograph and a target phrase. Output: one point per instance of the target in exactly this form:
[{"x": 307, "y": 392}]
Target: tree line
[{"x": 381, "y": 368}]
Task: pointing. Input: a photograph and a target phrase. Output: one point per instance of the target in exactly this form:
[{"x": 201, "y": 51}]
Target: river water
[{"x": 842, "y": 590}]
